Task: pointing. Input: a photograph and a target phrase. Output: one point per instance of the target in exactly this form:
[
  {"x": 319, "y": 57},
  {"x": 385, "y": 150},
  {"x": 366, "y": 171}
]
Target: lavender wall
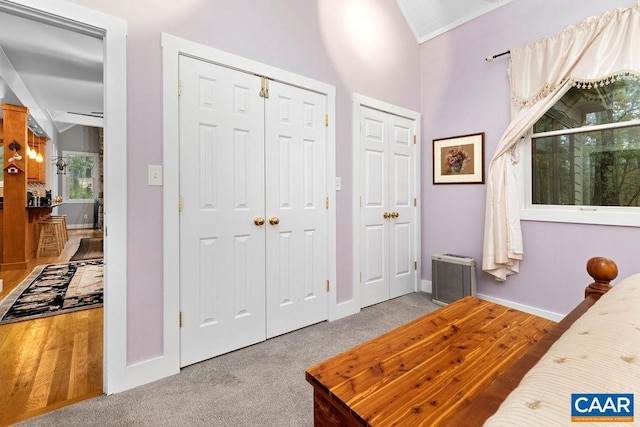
[
  {"x": 461, "y": 94},
  {"x": 359, "y": 46}
]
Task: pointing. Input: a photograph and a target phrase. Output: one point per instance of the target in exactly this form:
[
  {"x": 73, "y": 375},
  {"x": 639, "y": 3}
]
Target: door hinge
[
  {"x": 415, "y": 202},
  {"x": 327, "y": 285},
  {"x": 360, "y": 201},
  {"x": 264, "y": 87},
  {"x": 179, "y": 87},
  {"x": 326, "y": 120},
  {"x": 326, "y": 202},
  {"x": 180, "y": 319},
  {"x": 415, "y": 139},
  {"x": 415, "y": 265},
  {"x": 180, "y": 203},
  {"x": 361, "y": 277}
]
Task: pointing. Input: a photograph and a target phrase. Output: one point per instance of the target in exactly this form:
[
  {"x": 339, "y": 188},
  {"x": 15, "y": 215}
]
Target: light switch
[
  {"x": 154, "y": 175},
  {"x": 338, "y": 183}
]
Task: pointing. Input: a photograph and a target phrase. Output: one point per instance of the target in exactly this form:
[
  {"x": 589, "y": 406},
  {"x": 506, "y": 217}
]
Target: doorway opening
[{"x": 112, "y": 32}]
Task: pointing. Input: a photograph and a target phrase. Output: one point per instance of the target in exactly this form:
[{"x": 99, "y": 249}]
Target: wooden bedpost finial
[{"x": 603, "y": 270}]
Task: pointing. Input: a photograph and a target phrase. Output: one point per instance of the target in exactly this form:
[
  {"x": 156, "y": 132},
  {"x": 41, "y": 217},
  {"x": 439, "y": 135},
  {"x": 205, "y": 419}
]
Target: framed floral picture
[{"x": 459, "y": 160}]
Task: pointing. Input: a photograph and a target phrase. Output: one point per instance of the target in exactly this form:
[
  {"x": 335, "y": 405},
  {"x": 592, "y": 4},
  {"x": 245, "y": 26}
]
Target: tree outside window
[
  {"x": 80, "y": 180},
  {"x": 585, "y": 151}
]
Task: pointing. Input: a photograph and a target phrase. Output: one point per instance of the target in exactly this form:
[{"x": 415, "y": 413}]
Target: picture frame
[{"x": 459, "y": 159}]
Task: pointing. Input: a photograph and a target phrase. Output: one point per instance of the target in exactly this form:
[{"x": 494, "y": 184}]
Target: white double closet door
[
  {"x": 387, "y": 206},
  {"x": 253, "y": 244}
]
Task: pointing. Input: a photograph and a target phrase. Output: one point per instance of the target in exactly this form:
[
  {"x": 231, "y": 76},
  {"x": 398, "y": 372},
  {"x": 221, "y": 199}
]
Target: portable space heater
[{"x": 453, "y": 277}]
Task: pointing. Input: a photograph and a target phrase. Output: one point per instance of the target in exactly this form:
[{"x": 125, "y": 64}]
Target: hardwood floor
[{"x": 50, "y": 362}]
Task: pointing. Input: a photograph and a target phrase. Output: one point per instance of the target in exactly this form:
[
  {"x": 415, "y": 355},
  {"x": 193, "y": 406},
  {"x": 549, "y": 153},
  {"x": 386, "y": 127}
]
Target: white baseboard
[
  {"x": 344, "y": 309},
  {"x": 79, "y": 226},
  {"x": 142, "y": 373},
  {"x": 556, "y": 317},
  {"x": 426, "y": 286}
]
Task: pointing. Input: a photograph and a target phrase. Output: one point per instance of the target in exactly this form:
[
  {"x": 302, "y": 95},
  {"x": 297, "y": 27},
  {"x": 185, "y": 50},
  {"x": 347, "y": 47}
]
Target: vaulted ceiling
[
  {"x": 430, "y": 18},
  {"x": 57, "y": 72}
]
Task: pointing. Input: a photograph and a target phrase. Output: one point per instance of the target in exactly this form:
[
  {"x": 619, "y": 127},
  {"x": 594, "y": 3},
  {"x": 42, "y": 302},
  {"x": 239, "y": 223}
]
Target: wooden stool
[
  {"x": 62, "y": 218},
  {"x": 49, "y": 239},
  {"x": 61, "y": 234}
]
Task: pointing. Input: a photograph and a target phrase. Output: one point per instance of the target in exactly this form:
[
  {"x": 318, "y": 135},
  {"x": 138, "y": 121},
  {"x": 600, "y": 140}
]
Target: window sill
[
  {"x": 627, "y": 217},
  {"x": 78, "y": 201}
]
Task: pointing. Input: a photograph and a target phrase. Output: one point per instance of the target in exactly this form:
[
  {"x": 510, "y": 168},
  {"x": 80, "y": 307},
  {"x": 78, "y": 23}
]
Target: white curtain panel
[{"x": 598, "y": 51}]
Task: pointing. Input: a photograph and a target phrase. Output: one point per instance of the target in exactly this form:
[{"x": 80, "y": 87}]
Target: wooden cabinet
[{"x": 36, "y": 171}]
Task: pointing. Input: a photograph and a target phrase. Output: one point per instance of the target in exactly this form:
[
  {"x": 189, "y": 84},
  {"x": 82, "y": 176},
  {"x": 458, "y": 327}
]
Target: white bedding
[{"x": 599, "y": 353}]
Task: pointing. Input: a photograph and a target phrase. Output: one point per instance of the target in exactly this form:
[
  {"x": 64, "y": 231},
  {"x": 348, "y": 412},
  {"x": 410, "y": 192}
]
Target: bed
[{"x": 473, "y": 362}]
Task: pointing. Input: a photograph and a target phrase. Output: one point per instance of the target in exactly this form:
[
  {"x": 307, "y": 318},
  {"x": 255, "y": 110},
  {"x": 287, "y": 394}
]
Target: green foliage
[
  {"x": 80, "y": 177},
  {"x": 590, "y": 168}
]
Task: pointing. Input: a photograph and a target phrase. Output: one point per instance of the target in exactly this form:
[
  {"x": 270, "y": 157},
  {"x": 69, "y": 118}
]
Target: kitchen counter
[
  {"x": 51, "y": 206},
  {"x": 38, "y": 207}
]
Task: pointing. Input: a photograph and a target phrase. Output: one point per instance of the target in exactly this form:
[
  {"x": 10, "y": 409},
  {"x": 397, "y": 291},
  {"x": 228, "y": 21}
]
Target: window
[
  {"x": 79, "y": 183},
  {"x": 583, "y": 157}
]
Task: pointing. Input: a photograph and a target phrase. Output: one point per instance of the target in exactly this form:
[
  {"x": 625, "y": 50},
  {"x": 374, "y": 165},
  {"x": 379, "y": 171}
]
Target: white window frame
[
  {"x": 65, "y": 190},
  {"x": 600, "y": 215}
]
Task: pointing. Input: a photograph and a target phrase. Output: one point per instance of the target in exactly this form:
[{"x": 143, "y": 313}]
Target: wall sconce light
[{"x": 61, "y": 165}]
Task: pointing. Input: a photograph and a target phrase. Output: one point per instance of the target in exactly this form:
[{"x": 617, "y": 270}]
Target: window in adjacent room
[
  {"x": 79, "y": 183},
  {"x": 584, "y": 155}
]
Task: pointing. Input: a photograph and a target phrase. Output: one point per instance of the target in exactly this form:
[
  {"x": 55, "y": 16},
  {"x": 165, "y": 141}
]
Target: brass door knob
[
  {"x": 395, "y": 214},
  {"x": 258, "y": 220},
  {"x": 386, "y": 215},
  {"x": 274, "y": 220}
]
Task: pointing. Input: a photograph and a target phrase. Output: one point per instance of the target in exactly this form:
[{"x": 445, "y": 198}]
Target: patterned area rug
[{"x": 54, "y": 289}]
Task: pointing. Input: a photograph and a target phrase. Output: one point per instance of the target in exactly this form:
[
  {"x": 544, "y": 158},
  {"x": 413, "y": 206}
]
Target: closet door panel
[
  {"x": 296, "y": 254},
  {"x": 402, "y": 232},
  {"x": 374, "y": 222},
  {"x": 222, "y": 265}
]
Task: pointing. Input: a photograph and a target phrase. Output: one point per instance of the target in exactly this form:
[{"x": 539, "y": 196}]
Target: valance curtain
[{"x": 598, "y": 51}]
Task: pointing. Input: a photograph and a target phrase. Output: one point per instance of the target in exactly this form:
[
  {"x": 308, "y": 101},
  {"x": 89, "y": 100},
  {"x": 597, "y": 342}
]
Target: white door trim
[
  {"x": 353, "y": 305},
  {"x": 172, "y": 47},
  {"x": 114, "y": 33}
]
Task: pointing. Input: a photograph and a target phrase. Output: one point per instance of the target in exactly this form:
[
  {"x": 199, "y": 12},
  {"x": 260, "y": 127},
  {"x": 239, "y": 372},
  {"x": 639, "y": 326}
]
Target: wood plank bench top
[{"x": 425, "y": 371}]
